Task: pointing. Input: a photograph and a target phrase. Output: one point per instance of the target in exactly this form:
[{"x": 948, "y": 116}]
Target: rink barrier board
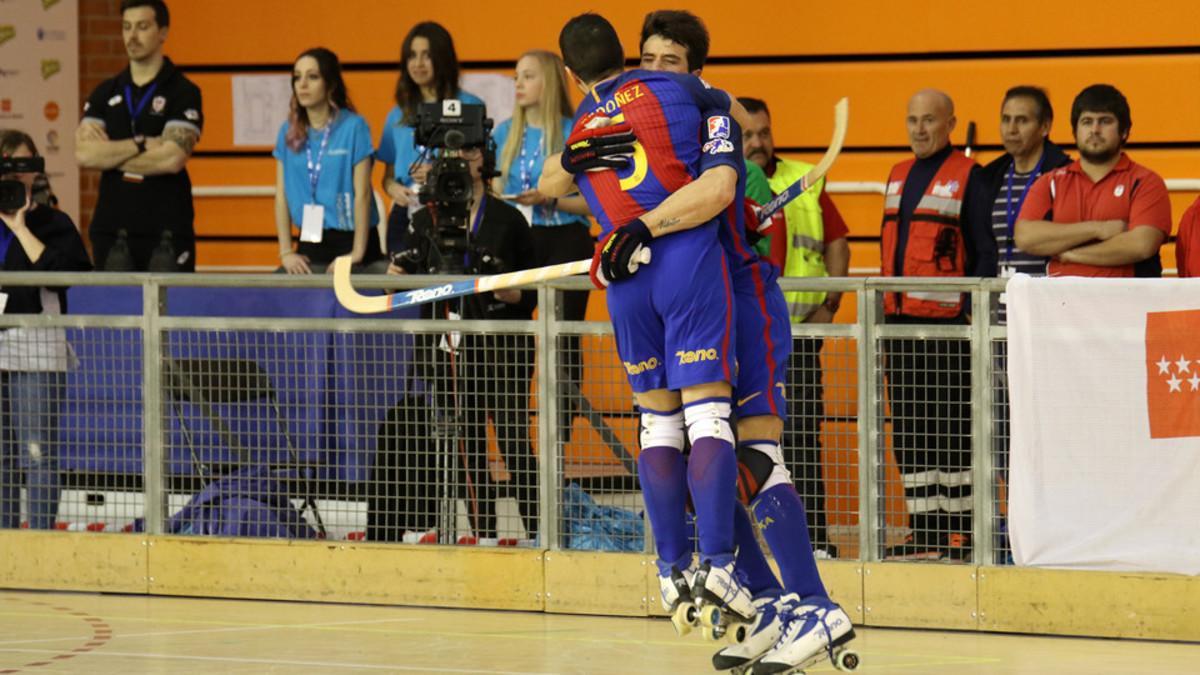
[{"x": 910, "y": 595}]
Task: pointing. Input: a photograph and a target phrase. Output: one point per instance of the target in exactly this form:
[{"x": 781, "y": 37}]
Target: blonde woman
[{"x": 560, "y": 230}]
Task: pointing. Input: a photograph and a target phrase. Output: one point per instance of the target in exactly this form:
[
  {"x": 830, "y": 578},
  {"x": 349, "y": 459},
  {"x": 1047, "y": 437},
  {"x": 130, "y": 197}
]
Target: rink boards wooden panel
[
  {"x": 487, "y": 31},
  {"x": 1102, "y": 604},
  {"x": 77, "y": 561},
  {"x": 347, "y": 572},
  {"x": 914, "y": 595}
]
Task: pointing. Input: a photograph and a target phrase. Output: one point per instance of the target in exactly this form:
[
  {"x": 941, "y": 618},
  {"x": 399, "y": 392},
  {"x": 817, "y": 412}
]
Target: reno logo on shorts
[
  {"x": 641, "y": 366},
  {"x": 430, "y": 294},
  {"x": 696, "y": 356}
]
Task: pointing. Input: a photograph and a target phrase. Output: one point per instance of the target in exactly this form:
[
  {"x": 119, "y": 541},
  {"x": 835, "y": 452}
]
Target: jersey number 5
[{"x": 640, "y": 163}]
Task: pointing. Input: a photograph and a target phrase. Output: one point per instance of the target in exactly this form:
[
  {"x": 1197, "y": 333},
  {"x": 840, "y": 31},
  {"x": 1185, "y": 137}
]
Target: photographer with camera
[
  {"x": 33, "y": 361},
  {"x": 473, "y": 376},
  {"x": 323, "y": 173}
]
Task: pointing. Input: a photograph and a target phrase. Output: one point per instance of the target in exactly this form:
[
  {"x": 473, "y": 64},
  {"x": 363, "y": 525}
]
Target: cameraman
[
  {"x": 485, "y": 375},
  {"x": 33, "y": 361}
]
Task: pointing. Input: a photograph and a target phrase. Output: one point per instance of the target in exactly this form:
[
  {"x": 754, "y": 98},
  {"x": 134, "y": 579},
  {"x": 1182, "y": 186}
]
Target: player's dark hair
[
  {"x": 445, "y": 68},
  {"x": 162, "y": 15},
  {"x": 1103, "y": 98},
  {"x": 754, "y": 105},
  {"x": 681, "y": 27},
  {"x": 335, "y": 88},
  {"x": 1035, "y": 94},
  {"x": 590, "y": 47}
]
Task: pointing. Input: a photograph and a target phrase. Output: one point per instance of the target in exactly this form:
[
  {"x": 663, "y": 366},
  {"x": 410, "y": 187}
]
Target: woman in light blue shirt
[
  {"x": 428, "y": 73},
  {"x": 560, "y": 229},
  {"x": 323, "y": 172}
]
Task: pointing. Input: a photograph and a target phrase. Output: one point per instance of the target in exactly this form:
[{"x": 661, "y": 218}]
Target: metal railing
[{"x": 251, "y": 405}]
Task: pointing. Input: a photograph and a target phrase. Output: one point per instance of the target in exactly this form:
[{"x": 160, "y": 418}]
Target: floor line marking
[{"x": 322, "y": 664}]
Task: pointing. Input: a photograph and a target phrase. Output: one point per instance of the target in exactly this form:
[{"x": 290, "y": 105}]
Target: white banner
[
  {"x": 39, "y": 85},
  {"x": 1105, "y": 393}
]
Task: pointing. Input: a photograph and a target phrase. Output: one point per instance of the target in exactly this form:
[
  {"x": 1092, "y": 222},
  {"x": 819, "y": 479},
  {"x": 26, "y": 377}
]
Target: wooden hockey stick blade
[
  {"x": 841, "y": 120},
  {"x": 378, "y": 304}
]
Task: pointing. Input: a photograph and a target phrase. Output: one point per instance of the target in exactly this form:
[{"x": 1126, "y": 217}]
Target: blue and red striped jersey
[{"x": 676, "y": 141}]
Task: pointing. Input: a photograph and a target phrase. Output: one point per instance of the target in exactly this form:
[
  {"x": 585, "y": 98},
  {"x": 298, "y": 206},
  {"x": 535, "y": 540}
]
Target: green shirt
[{"x": 758, "y": 190}]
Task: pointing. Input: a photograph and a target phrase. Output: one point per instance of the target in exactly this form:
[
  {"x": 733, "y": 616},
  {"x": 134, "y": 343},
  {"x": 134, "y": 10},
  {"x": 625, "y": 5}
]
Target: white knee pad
[
  {"x": 779, "y": 473},
  {"x": 662, "y": 430},
  {"x": 708, "y": 419}
]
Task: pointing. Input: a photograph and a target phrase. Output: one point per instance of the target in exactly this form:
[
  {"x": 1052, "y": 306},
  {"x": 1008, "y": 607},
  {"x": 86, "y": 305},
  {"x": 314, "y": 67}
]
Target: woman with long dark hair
[
  {"x": 323, "y": 172},
  {"x": 428, "y": 73}
]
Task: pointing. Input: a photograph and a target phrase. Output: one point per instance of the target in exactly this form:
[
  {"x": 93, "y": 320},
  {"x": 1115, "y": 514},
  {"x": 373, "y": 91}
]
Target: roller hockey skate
[
  {"x": 722, "y": 602},
  {"x": 811, "y": 632},
  {"x": 758, "y": 638},
  {"x": 676, "y": 589}
]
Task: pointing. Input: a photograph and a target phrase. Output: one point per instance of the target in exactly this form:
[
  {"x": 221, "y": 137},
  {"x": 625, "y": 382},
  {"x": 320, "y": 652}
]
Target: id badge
[
  {"x": 3, "y": 302},
  {"x": 527, "y": 211},
  {"x": 314, "y": 223}
]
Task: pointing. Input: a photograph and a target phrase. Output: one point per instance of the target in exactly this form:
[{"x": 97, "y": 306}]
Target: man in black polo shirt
[{"x": 139, "y": 128}]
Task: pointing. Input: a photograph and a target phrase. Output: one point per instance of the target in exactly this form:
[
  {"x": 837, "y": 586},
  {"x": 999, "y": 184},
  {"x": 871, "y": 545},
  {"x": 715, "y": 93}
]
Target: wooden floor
[{"x": 85, "y": 633}]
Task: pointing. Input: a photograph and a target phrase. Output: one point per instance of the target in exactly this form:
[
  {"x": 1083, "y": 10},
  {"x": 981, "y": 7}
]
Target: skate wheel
[
  {"x": 709, "y": 633},
  {"x": 740, "y": 633},
  {"x": 710, "y": 616},
  {"x": 683, "y": 619},
  {"x": 846, "y": 660}
]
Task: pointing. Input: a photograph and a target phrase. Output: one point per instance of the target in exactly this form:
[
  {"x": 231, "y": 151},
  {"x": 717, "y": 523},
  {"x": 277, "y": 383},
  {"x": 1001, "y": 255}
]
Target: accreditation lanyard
[
  {"x": 1011, "y": 213},
  {"x": 475, "y": 226},
  {"x": 314, "y": 168},
  {"x": 136, "y": 109},
  {"x": 528, "y": 165}
]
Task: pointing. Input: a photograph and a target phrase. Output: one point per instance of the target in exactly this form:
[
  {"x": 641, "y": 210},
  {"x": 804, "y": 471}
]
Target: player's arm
[
  {"x": 166, "y": 154},
  {"x": 694, "y": 204},
  {"x": 94, "y": 150},
  {"x": 555, "y": 181}
]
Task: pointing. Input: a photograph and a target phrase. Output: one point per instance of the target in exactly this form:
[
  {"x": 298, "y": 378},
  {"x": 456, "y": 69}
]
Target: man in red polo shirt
[
  {"x": 1103, "y": 213},
  {"x": 1187, "y": 249}
]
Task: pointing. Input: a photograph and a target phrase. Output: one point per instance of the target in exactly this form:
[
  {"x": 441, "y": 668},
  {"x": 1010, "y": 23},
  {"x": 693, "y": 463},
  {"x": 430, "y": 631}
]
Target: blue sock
[
  {"x": 751, "y": 563},
  {"x": 712, "y": 479},
  {"x": 663, "y": 475},
  {"x": 781, "y": 513}
]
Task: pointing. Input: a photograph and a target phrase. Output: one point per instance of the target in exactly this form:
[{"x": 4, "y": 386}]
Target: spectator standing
[
  {"x": 560, "y": 232},
  {"x": 323, "y": 172},
  {"x": 1102, "y": 214},
  {"x": 813, "y": 244},
  {"x": 33, "y": 361},
  {"x": 1187, "y": 249},
  {"x": 927, "y": 232},
  {"x": 485, "y": 375},
  {"x": 1026, "y": 117},
  {"x": 140, "y": 128},
  {"x": 428, "y": 73}
]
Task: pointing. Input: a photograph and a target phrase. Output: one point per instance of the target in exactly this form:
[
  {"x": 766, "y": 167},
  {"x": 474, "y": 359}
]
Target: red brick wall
[{"x": 101, "y": 55}]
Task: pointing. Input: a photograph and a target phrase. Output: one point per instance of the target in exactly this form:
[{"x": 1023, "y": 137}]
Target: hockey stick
[
  {"x": 841, "y": 119},
  {"x": 377, "y": 304}
]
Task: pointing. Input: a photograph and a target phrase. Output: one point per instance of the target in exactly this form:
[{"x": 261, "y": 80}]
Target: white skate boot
[
  {"x": 758, "y": 638},
  {"x": 812, "y": 632},
  {"x": 676, "y": 590},
  {"x": 722, "y": 600}
]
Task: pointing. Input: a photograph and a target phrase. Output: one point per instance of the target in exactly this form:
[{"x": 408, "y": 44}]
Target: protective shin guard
[
  {"x": 663, "y": 475},
  {"x": 780, "y": 512},
  {"x": 712, "y": 480},
  {"x": 751, "y": 562}
]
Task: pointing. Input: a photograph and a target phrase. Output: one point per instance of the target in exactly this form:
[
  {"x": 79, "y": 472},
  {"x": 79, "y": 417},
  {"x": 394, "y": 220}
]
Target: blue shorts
[
  {"x": 674, "y": 320},
  {"x": 764, "y": 342}
]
